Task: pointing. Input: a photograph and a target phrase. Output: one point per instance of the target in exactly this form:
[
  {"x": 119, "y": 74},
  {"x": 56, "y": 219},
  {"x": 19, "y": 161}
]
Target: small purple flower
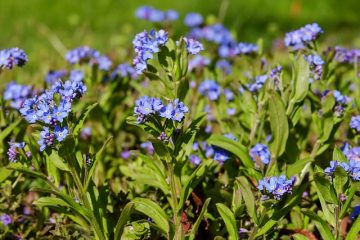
[
  {"x": 210, "y": 89},
  {"x": 257, "y": 84},
  {"x": 148, "y": 147},
  {"x": 195, "y": 159},
  {"x": 55, "y": 76},
  {"x": 355, "y": 213},
  {"x": 125, "y": 154},
  {"x": 17, "y": 94},
  {"x": 46, "y": 138},
  {"x": 5, "y": 219},
  {"x": 193, "y": 46},
  {"x": 124, "y": 70},
  {"x": 297, "y": 39},
  {"x": 349, "y": 56},
  {"x": 14, "y": 149},
  {"x": 224, "y": 66}
]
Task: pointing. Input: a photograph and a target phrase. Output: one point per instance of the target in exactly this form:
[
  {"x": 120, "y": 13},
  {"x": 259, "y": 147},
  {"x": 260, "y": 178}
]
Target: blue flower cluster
[
  {"x": 210, "y": 88},
  {"x": 260, "y": 152},
  {"x": 316, "y": 65},
  {"x": 276, "y": 187},
  {"x": 145, "y": 45},
  {"x": 192, "y": 46},
  {"x": 12, "y": 57},
  {"x": 352, "y": 168},
  {"x": 48, "y": 110},
  {"x": 17, "y": 94},
  {"x": 344, "y": 55},
  {"x": 154, "y": 15},
  {"x": 144, "y": 106},
  {"x": 257, "y": 83},
  {"x": 232, "y": 49},
  {"x": 341, "y": 102},
  {"x": 86, "y": 54},
  {"x": 14, "y": 149},
  {"x": 355, "y": 123},
  {"x": 124, "y": 70},
  {"x": 297, "y": 39},
  {"x": 193, "y": 20}
]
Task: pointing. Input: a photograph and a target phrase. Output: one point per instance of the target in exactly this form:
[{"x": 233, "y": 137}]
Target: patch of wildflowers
[{"x": 344, "y": 55}]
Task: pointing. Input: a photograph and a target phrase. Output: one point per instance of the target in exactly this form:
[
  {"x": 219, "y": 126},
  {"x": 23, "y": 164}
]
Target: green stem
[
  {"x": 70, "y": 160},
  {"x": 176, "y": 209}
]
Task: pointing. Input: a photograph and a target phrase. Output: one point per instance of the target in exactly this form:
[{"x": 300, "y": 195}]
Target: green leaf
[
  {"x": 321, "y": 225},
  {"x": 298, "y": 236},
  {"x": 183, "y": 89},
  {"x": 5, "y": 132},
  {"x": 154, "y": 211},
  {"x": 4, "y": 173},
  {"x": 338, "y": 155},
  {"x": 124, "y": 217},
  {"x": 196, "y": 225},
  {"x": 298, "y": 166},
  {"x": 232, "y": 146},
  {"x": 51, "y": 202},
  {"x": 229, "y": 220},
  {"x": 67, "y": 147},
  {"x": 248, "y": 197},
  {"x": 340, "y": 180},
  {"x": 58, "y": 162},
  {"x": 80, "y": 122},
  {"x": 354, "y": 230},
  {"x": 191, "y": 183},
  {"x": 325, "y": 188},
  {"x": 98, "y": 155},
  {"x": 301, "y": 85},
  {"x": 350, "y": 194},
  {"x": 279, "y": 124}
]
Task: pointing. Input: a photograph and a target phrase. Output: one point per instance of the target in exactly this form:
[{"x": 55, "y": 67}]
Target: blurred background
[{"x": 46, "y": 29}]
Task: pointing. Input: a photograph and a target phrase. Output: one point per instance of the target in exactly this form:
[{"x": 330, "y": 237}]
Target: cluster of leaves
[{"x": 127, "y": 179}]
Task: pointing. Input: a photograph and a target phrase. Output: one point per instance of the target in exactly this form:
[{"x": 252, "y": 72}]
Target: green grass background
[{"x": 45, "y": 29}]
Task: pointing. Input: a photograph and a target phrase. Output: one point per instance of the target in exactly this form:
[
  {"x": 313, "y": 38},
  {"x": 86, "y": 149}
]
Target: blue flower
[
  {"x": 210, "y": 89},
  {"x": 349, "y": 56},
  {"x": 14, "y": 150},
  {"x": 61, "y": 133},
  {"x": 193, "y": 20},
  {"x": 195, "y": 159},
  {"x": 224, "y": 66},
  {"x": 12, "y": 57},
  {"x": 54, "y": 76},
  {"x": 247, "y": 48},
  {"x": 355, "y": 213},
  {"x": 229, "y": 95},
  {"x": 257, "y": 84},
  {"x": 154, "y": 15},
  {"x": 81, "y": 54},
  {"x": 260, "y": 152},
  {"x": 220, "y": 155},
  {"x": 297, "y": 39},
  {"x": 145, "y": 45},
  {"x": 124, "y": 70},
  {"x": 193, "y": 46},
  {"x": 330, "y": 170},
  {"x": 17, "y": 94},
  {"x": 5, "y": 219},
  {"x": 355, "y": 123},
  {"x": 198, "y": 62},
  {"x": 46, "y": 138},
  {"x": 276, "y": 186}
]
